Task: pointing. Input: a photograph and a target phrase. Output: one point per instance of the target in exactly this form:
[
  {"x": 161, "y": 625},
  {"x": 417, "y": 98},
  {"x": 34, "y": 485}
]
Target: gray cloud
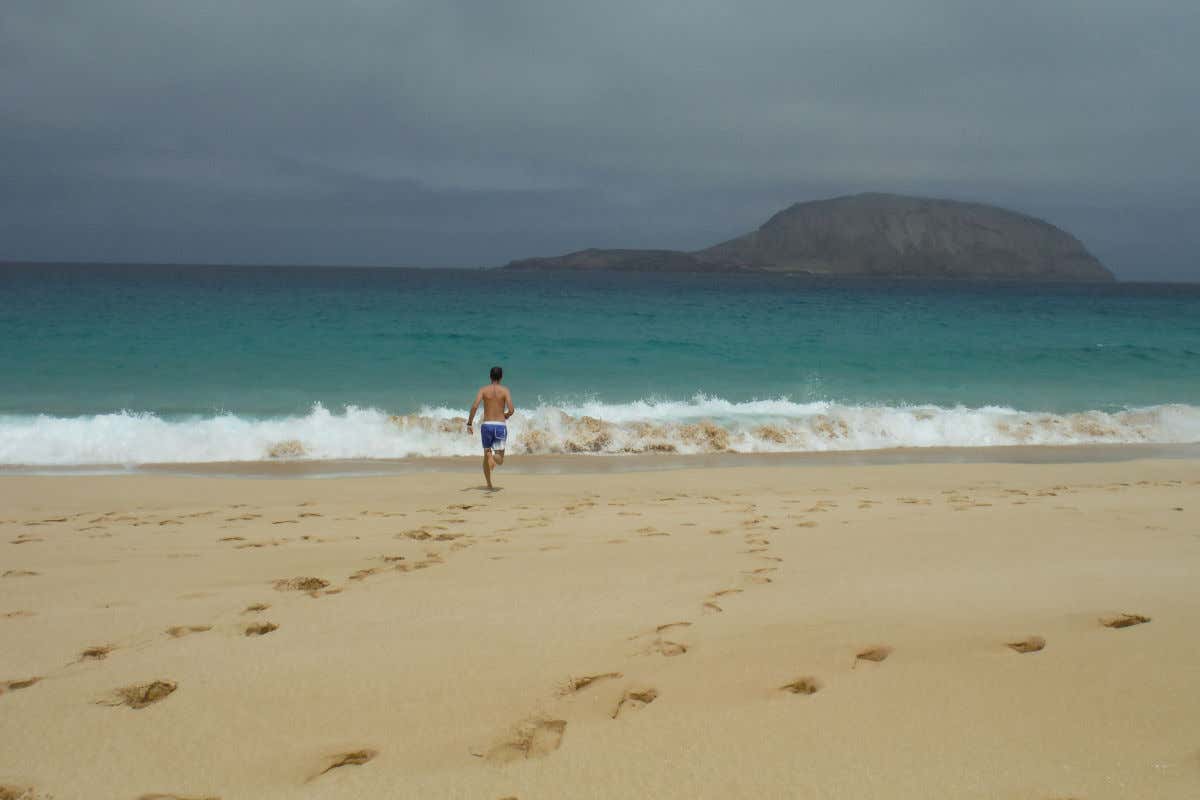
[{"x": 468, "y": 133}]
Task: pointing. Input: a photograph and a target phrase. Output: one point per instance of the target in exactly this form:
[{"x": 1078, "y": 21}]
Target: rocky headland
[{"x": 871, "y": 235}]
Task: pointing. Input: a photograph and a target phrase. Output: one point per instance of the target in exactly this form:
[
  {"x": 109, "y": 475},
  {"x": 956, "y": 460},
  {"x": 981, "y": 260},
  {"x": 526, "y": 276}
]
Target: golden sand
[{"x": 920, "y": 631}]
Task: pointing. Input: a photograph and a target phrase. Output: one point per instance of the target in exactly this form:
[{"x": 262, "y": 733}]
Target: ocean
[{"x": 144, "y": 364}]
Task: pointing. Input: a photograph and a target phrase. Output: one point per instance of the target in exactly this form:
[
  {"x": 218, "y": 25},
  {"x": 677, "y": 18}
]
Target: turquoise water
[{"x": 95, "y": 352}]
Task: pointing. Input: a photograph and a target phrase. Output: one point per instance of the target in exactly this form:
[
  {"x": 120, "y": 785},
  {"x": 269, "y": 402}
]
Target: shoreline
[{"x": 604, "y": 464}]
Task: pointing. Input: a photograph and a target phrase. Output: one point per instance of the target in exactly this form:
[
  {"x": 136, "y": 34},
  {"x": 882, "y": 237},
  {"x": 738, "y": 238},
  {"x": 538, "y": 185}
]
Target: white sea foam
[{"x": 701, "y": 425}]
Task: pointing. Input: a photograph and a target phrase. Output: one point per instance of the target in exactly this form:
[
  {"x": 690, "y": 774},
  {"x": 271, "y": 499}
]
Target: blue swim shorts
[{"x": 494, "y": 434}]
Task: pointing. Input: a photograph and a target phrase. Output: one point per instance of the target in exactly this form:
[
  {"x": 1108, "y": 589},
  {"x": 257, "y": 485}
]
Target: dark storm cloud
[{"x": 473, "y": 132}]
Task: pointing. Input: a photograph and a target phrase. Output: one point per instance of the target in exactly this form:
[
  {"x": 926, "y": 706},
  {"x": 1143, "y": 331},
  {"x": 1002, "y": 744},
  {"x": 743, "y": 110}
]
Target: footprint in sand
[
  {"x": 531, "y": 739},
  {"x": 662, "y": 647},
  {"x": 179, "y": 631},
  {"x": 96, "y": 653},
  {"x": 432, "y": 560},
  {"x": 255, "y": 608},
  {"x": 712, "y": 608},
  {"x": 10, "y": 686},
  {"x": 158, "y": 796},
  {"x": 302, "y": 584},
  {"x": 875, "y": 654},
  {"x": 255, "y": 545},
  {"x": 140, "y": 695},
  {"x": 805, "y": 686},
  {"x": 574, "y": 685},
  {"x": 354, "y": 758},
  {"x": 1030, "y": 644},
  {"x": 416, "y": 534},
  {"x": 19, "y": 573},
  {"x": 15, "y": 614},
  {"x": 10, "y": 792},
  {"x": 260, "y": 628},
  {"x": 635, "y": 699},
  {"x": 1123, "y": 620},
  {"x": 669, "y": 625}
]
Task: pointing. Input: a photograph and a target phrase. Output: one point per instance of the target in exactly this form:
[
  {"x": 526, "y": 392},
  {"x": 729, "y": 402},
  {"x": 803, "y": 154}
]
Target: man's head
[{"x": 497, "y": 374}]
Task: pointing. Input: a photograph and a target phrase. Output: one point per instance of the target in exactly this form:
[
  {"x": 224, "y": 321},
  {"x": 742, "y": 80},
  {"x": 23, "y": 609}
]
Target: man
[{"x": 497, "y": 408}]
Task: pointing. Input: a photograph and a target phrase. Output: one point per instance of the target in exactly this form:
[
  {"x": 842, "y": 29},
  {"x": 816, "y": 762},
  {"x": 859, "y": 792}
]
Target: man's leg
[
  {"x": 498, "y": 457},
  {"x": 487, "y": 467}
]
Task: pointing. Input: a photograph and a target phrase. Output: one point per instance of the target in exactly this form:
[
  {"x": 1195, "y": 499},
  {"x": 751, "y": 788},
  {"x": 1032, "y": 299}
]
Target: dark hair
[{"x": 497, "y": 373}]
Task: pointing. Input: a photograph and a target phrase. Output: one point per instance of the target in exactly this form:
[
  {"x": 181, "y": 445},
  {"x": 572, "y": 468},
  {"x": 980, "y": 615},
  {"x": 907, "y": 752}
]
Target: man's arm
[
  {"x": 474, "y": 408},
  {"x": 511, "y": 409}
]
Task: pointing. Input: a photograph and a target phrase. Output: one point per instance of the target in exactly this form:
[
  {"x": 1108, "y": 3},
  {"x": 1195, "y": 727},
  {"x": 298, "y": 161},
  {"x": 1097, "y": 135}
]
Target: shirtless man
[{"x": 497, "y": 408}]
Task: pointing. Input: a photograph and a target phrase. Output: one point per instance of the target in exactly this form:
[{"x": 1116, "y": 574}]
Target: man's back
[{"x": 495, "y": 400}]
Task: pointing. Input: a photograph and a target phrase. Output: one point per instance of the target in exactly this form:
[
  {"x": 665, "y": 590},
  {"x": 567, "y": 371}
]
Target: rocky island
[{"x": 871, "y": 235}]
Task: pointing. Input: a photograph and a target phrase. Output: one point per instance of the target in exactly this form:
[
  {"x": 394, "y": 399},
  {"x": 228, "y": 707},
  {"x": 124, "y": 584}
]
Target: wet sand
[
  {"x": 832, "y": 630},
  {"x": 590, "y": 463}
]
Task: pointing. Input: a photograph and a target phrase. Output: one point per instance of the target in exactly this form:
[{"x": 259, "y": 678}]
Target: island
[{"x": 871, "y": 235}]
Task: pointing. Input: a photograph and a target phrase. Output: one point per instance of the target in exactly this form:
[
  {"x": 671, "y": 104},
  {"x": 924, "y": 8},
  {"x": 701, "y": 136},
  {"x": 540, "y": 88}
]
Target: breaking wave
[{"x": 701, "y": 425}]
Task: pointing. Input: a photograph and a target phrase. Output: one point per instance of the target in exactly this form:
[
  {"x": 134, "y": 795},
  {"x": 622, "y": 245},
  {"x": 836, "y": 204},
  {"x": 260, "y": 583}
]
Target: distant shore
[{"x": 848, "y": 279}]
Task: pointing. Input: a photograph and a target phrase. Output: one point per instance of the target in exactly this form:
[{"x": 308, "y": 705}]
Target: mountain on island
[{"x": 871, "y": 235}]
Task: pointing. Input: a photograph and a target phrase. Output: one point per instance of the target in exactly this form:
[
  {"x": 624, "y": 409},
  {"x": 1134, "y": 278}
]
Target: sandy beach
[{"x": 889, "y": 631}]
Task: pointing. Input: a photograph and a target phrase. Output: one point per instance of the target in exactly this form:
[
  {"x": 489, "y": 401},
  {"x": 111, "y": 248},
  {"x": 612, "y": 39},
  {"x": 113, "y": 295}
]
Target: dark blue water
[{"x": 88, "y": 339}]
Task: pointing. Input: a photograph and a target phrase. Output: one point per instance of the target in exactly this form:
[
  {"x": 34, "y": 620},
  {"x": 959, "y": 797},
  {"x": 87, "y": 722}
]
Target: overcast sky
[{"x": 454, "y": 133}]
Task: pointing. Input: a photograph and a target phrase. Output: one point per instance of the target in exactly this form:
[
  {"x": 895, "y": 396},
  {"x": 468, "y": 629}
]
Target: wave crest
[{"x": 702, "y": 425}]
